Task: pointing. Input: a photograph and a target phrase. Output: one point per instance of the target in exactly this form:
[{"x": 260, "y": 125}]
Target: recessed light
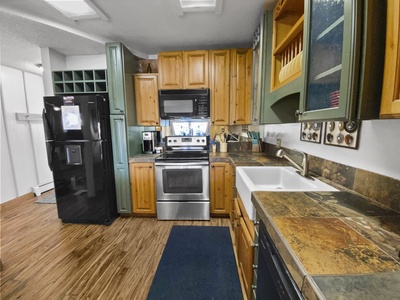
[
  {"x": 77, "y": 9},
  {"x": 201, "y": 5}
]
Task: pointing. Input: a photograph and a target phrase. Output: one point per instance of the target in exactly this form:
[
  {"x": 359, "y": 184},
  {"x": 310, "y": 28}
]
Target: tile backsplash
[{"x": 381, "y": 188}]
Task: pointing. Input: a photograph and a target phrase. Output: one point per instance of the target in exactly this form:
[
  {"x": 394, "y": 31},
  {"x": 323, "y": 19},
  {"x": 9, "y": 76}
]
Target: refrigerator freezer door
[
  {"x": 75, "y": 117},
  {"x": 84, "y": 191}
]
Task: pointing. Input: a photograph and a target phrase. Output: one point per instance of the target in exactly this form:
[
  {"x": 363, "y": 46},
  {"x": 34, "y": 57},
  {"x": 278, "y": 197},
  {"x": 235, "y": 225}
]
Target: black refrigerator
[{"x": 79, "y": 151}]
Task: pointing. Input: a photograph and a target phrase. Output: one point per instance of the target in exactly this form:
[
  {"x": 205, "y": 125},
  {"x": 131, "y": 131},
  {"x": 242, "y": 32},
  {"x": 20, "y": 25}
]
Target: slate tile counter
[
  {"x": 247, "y": 158},
  {"x": 144, "y": 158},
  {"x": 337, "y": 245}
]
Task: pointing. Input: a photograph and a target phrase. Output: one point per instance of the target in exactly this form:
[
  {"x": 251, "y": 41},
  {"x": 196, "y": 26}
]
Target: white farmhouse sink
[{"x": 277, "y": 179}]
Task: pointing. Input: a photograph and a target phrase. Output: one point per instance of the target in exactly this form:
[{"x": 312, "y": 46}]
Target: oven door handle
[{"x": 196, "y": 163}]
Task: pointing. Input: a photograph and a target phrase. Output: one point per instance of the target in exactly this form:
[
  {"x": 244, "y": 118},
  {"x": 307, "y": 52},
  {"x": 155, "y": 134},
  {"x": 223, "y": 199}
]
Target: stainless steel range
[{"x": 182, "y": 179}]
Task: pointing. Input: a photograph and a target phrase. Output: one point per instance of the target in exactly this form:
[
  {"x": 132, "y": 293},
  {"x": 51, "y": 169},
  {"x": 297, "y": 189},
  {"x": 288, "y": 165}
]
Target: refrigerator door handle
[
  {"x": 50, "y": 151},
  {"x": 49, "y": 140},
  {"x": 47, "y": 129}
]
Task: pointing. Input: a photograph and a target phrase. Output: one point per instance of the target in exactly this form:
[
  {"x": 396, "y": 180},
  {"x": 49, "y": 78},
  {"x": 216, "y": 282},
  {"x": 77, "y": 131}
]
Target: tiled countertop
[{"x": 337, "y": 245}]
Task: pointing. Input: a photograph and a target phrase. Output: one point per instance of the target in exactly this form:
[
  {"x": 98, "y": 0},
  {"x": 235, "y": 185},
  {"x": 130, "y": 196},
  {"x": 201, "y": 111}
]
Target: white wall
[
  {"x": 51, "y": 61},
  {"x": 90, "y": 62},
  {"x": 378, "y": 150},
  {"x": 34, "y": 99},
  {"x": 23, "y": 155},
  {"x": 7, "y": 183}
]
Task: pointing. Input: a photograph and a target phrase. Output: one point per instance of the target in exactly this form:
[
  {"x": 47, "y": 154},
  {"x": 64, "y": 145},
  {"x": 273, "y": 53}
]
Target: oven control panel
[{"x": 186, "y": 141}]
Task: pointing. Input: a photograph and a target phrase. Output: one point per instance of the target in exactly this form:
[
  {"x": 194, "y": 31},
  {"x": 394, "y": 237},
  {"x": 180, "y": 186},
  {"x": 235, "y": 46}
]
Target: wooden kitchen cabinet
[
  {"x": 170, "y": 70},
  {"x": 146, "y": 95},
  {"x": 183, "y": 69},
  {"x": 220, "y": 86},
  {"x": 143, "y": 188},
  {"x": 235, "y": 220},
  {"x": 279, "y": 100},
  {"x": 195, "y": 69},
  {"x": 243, "y": 232},
  {"x": 221, "y": 188},
  {"x": 390, "y": 103},
  {"x": 241, "y": 86},
  {"x": 245, "y": 254}
]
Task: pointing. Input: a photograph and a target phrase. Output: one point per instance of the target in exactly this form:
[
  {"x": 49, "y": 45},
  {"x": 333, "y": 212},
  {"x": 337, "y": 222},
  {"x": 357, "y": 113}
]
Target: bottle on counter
[{"x": 148, "y": 68}]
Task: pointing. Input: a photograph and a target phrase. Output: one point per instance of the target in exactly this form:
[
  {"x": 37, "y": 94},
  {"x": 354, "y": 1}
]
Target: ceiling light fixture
[
  {"x": 77, "y": 9},
  {"x": 201, "y": 6}
]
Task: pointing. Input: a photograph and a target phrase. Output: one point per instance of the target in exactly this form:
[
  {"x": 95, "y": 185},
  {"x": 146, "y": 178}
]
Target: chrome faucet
[{"x": 304, "y": 162}]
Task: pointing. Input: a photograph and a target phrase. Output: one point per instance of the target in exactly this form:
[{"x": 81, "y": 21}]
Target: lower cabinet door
[
  {"x": 236, "y": 221},
  {"x": 220, "y": 188},
  {"x": 121, "y": 165},
  {"x": 143, "y": 188},
  {"x": 246, "y": 257}
]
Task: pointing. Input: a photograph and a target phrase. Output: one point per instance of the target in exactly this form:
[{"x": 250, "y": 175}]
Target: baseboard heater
[{"x": 39, "y": 189}]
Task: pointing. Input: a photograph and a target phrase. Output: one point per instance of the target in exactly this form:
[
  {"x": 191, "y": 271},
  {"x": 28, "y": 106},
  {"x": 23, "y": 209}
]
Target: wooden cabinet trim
[
  {"x": 249, "y": 223},
  {"x": 390, "y": 104}
]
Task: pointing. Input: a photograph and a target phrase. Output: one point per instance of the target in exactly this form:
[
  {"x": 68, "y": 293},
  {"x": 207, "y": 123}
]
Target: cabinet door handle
[
  {"x": 119, "y": 109},
  {"x": 234, "y": 122},
  {"x": 150, "y": 167},
  {"x": 298, "y": 113}
]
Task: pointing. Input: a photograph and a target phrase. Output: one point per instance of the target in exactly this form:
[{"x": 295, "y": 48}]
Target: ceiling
[{"x": 146, "y": 27}]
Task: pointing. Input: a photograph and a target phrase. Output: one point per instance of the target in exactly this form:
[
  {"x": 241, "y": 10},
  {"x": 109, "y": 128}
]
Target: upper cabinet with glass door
[{"x": 344, "y": 51}]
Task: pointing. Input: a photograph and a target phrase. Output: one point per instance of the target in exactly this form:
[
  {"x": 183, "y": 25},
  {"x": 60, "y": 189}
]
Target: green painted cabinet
[
  {"x": 120, "y": 69},
  {"x": 343, "y": 59},
  {"x": 277, "y": 104},
  {"x": 116, "y": 78},
  {"x": 340, "y": 46},
  {"x": 121, "y": 163},
  {"x": 258, "y": 57}
]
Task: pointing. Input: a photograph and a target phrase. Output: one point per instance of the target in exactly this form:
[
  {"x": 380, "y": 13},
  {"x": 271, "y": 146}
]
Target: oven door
[{"x": 182, "y": 182}]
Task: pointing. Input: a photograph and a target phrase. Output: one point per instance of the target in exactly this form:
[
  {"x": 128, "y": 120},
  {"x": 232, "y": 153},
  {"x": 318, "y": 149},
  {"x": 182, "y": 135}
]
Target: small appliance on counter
[{"x": 150, "y": 141}]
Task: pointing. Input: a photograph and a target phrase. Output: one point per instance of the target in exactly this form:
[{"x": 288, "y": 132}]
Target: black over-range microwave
[{"x": 187, "y": 103}]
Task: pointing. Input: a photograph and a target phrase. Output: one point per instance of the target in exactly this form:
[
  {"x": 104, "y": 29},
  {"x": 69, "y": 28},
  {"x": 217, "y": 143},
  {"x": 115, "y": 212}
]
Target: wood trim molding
[{"x": 11, "y": 204}]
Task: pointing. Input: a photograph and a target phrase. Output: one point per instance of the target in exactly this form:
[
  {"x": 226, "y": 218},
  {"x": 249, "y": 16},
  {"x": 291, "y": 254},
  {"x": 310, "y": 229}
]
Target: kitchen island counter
[{"x": 336, "y": 245}]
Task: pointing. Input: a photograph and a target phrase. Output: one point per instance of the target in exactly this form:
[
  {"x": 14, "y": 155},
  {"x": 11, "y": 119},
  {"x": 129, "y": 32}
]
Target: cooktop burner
[
  {"x": 185, "y": 148},
  {"x": 184, "y": 155}
]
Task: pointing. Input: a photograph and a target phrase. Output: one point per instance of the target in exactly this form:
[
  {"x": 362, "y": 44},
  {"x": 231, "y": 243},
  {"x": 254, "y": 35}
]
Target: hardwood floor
[{"x": 46, "y": 259}]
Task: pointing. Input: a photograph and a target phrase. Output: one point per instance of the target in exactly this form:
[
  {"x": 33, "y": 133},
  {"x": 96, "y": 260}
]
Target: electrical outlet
[
  {"x": 278, "y": 143},
  {"x": 222, "y": 129}
]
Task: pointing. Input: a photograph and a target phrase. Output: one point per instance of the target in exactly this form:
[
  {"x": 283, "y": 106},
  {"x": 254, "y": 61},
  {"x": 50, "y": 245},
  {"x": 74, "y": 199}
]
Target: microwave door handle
[{"x": 196, "y": 107}]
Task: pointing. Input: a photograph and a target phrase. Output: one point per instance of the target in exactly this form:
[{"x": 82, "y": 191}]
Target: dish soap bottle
[{"x": 148, "y": 68}]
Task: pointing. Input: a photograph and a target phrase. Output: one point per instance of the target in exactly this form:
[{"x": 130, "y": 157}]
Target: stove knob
[
  {"x": 198, "y": 141},
  {"x": 169, "y": 141},
  {"x": 175, "y": 141}
]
